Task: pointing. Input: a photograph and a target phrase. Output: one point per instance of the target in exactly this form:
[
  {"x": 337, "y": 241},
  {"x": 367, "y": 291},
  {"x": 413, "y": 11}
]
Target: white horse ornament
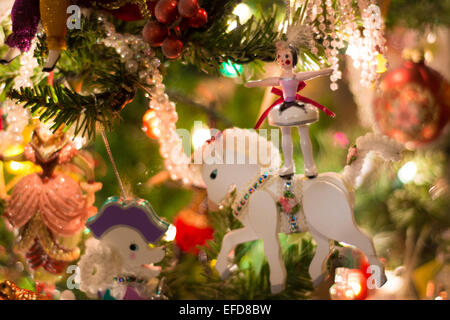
[{"x": 266, "y": 204}]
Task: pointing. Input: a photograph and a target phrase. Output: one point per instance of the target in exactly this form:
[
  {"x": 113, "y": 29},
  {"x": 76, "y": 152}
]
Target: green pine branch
[
  {"x": 253, "y": 40},
  {"x": 194, "y": 279},
  {"x": 63, "y": 106},
  {"x": 418, "y": 14}
]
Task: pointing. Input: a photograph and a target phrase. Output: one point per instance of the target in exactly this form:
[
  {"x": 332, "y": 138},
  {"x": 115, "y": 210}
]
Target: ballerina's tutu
[
  {"x": 293, "y": 113},
  {"x": 58, "y": 200}
]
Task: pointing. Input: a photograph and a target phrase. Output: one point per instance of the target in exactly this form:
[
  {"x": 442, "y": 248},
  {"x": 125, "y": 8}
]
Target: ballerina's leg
[
  {"x": 288, "y": 150},
  {"x": 306, "y": 145}
]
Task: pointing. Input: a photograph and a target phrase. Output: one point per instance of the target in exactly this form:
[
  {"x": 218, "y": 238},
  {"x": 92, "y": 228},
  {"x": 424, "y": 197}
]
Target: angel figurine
[
  {"x": 25, "y": 16},
  {"x": 49, "y": 208},
  {"x": 292, "y": 110}
]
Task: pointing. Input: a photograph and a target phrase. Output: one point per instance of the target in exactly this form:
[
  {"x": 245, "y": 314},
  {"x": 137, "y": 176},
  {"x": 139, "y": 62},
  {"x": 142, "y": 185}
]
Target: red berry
[
  {"x": 199, "y": 19},
  {"x": 154, "y": 33},
  {"x": 172, "y": 47},
  {"x": 166, "y": 11},
  {"x": 188, "y": 8}
]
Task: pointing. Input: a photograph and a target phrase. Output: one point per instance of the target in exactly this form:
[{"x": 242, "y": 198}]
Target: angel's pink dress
[{"x": 47, "y": 206}]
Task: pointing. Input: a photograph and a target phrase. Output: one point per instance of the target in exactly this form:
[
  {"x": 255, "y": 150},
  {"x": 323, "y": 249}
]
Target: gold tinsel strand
[{"x": 145, "y": 12}]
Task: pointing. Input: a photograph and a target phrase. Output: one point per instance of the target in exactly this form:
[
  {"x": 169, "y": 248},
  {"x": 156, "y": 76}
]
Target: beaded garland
[
  {"x": 128, "y": 279},
  {"x": 138, "y": 58},
  {"x": 16, "y": 117},
  {"x": 241, "y": 202}
]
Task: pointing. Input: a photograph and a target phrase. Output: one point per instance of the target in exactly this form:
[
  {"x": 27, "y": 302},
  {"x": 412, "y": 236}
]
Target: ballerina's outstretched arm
[
  {"x": 308, "y": 75},
  {"x": 269, "y": 82}
]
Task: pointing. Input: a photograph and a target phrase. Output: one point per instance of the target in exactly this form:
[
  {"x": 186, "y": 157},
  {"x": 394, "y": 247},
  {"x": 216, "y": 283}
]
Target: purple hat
[{"x": 136, "y": 213}]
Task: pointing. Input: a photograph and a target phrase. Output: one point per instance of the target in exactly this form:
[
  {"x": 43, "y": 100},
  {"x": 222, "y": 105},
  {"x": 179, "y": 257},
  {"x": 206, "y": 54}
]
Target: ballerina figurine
[
  {"x": 292, "y": 110},
  {"x": 25, "y": 16}
]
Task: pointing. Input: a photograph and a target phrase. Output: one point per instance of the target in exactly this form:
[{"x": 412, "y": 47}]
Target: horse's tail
[{"x": 387, "y": 148}]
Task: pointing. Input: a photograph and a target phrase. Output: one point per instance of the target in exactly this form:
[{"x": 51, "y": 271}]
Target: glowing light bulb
[
  {"x": 352, "y": 51},
  {"x": 156, "y": 132},
  {"x": 243, "y": 12},
  {"x": 283, "y": 26},
  {"x": 407, "y": 173},
  {"x": 79, "y": 142},
  {"x": 231, "y": 70},
  {"x": 356, "y": 287},
  {"x": 16, "y": 166},
  {"x": 200, "y": 136},
  {"x": 14, "y": 150},
  {"x": 232, "y": 25},
  {"x": 170, "y": 233},
  {"x": 349, "y": 294},
  {"x": 151, "y": 123},
  {"x": 381, "y": 63}
]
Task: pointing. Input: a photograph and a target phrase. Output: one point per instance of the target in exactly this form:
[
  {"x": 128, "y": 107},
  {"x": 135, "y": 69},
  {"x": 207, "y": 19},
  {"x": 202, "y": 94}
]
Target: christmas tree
[{"x": 113, "y": 98}]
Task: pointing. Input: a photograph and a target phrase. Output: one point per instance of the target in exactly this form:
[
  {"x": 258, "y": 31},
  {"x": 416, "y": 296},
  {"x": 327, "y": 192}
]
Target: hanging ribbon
[
  {"x": 279, "y": 92},
  {"x": 113, "y": 163}
]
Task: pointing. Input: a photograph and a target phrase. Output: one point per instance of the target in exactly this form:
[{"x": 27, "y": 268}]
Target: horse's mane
[{"x": 245, "y": 142}]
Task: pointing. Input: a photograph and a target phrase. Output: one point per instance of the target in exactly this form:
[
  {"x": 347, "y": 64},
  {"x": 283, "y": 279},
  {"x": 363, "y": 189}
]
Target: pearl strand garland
[
  {"x": 334, "y": 23},
  {"x": 137, "y": 56},
  {"x": 17, "y": 117}
]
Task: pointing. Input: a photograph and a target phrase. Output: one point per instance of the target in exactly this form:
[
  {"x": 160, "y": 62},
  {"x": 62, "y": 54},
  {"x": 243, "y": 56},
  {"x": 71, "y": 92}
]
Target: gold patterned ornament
[{"x": 9, "y": 291}]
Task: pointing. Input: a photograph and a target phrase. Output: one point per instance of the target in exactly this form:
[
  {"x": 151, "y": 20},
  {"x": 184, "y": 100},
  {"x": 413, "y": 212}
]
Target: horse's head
[{"x": 232, "y": 159}]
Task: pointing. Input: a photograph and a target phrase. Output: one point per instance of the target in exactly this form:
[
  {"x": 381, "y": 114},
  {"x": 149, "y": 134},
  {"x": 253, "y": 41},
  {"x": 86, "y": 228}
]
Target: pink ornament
[
  {"x": 46, "y": 206},
  {"x": 340, "y": 139}
]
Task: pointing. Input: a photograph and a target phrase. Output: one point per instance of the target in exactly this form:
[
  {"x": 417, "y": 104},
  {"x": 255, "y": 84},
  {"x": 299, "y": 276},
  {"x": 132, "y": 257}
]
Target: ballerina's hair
[{"x": 294, "y": 53}]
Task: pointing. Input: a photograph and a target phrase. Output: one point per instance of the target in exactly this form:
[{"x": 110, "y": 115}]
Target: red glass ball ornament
[
  {"x": 199, "y": 19},
  {"x": 166, "y": 11},
  {"x": 154, "y": 33},
  {"x": 414, "y": 104},
  {"x": 192, "y": 231},
  {"x": 188, "y": 8},
  {"x": 172, "y": 47}
]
